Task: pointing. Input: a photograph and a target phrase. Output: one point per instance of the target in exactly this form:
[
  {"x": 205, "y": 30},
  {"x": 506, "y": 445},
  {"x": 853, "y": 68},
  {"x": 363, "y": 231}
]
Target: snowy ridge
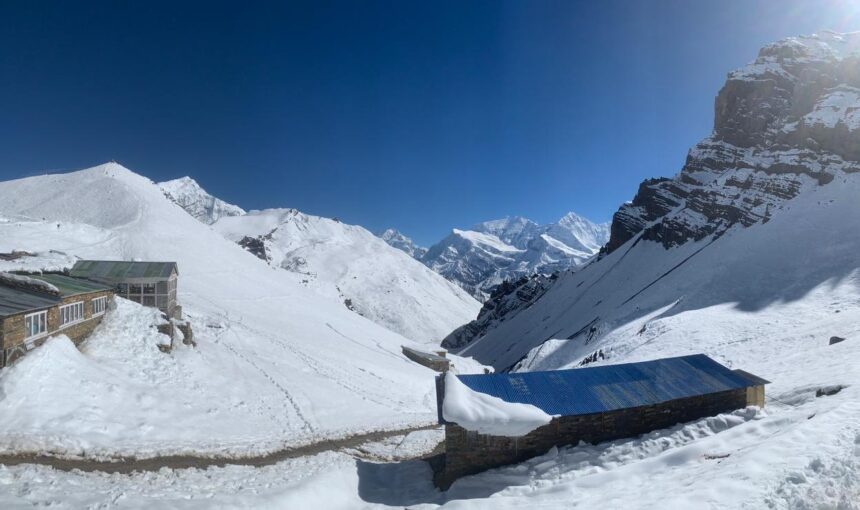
[
  {"x": 187, "y": 194},
  {"x": 396, "y": 239},
  {"x": 358, "y": 270}
]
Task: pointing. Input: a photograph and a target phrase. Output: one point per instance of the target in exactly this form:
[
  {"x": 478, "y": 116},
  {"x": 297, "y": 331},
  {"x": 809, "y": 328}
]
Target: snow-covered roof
[
  {"x": 68, "y": 286},
  {"x": 612, "y": 387}
]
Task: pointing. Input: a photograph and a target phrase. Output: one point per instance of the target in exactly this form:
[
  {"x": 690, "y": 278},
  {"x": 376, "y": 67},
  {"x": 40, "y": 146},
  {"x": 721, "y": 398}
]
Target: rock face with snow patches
[
  {"x": 187, "y": 194},
  {"x": 506, "y": 300},
  {"x": 787, "y": 121},
  {"x": 777, "y": 177},
  {"x": 396, "y": 239},
  {"x": 492, "y": 252}
]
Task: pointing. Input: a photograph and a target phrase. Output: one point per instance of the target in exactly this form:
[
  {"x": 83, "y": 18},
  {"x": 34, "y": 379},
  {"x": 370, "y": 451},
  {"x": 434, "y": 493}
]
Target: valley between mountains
[{"x": 750, "y": 254}]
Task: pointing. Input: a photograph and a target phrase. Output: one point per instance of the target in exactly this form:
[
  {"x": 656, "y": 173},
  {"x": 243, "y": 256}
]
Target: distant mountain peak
[
  {"x": 189, "y": 195},
  {"x": 512, "y": 247},
  {"x": 397, "y": 239}
]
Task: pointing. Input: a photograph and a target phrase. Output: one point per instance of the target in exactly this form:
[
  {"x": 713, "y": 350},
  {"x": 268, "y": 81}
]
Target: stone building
[
  {"x": 435, "y": 361},
  {"x": 595, "y": 404},
  {"x": 36, "y": 307},
  {"x": 148, "y": 283}
]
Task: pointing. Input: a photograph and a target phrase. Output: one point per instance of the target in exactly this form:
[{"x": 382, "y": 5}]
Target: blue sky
[{"x": 419, "y": 115}]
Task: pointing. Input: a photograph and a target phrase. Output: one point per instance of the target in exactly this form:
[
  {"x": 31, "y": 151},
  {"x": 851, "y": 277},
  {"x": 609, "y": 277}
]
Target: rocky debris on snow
[
  {"x": 835, "y": 340},
  {"x": 828, "y": 391},
  {"x": 256, "y": 246},
  {"x": 15, "y": 255},
  {"x": 591, "y": 358}
]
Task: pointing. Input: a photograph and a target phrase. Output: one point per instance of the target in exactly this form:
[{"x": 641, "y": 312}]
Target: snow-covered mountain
[
  {"x": 187, "y": 194},
  {"x": 275, "y": 363},
  {"x": 354, "y": 267},
  {"x": 397, "y": 240},
  {"x": 764, "y": 212},
  {"x": 750, "y": 255},
  {"x": 489, "y": 253}
]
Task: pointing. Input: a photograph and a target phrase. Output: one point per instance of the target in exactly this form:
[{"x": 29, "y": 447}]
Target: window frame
[
  {"x": 42, "y": 314},
  {"x": 103, "y": 301},
  {"x": 71, "y": 308}
]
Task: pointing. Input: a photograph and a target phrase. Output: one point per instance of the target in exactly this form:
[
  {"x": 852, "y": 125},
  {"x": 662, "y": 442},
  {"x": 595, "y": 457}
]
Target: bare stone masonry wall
[
  {"x": 13, "y": 343},
  {"x": 469, "y": 452}
]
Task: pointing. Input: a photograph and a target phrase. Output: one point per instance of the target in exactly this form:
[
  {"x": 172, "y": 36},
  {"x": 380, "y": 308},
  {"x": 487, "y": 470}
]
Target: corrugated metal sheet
[
  {"x": 14, "y": 301},
  {"x": 611, "y": 387},
  {"x": 69, "y": 286},
  {"x": 116, "y": 271}
]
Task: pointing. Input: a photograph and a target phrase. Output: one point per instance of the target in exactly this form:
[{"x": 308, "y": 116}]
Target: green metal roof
[
  {"x": 14, "y": 301},
  {"x": 115, "y": 270},
  {"x": 69, "y": 286}
]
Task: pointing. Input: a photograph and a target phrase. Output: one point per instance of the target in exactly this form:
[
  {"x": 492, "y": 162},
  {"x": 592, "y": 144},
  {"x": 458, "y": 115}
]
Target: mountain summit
[
  {"x": 397, "y": 240},
  {"x": 481, "y": 258}
]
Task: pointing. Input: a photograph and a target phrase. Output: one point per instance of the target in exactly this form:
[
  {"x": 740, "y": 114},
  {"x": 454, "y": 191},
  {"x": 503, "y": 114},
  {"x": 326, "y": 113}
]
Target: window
[
  {"x": 99, "y": 305},
  {"x": 149, "y": 288},
  {"x": 135, "y": 288},
  {"x": 35, "y": 324},
  {"x": 162, "y": 288},
  {"x": 71, "y": 313},
  {"x": 148, "y": 300},
  {"x": 123, "y": 288}
]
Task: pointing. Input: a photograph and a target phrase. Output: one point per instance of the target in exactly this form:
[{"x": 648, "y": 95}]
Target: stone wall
[
  {"x": 429, "y": 360},
  {"x": 469, "y": 452},
  {"x": 12, "y": 334}
]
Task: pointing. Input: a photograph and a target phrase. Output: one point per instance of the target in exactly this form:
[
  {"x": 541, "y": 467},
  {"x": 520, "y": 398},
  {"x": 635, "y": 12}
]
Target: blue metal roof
[{"x": 612, "y": 387}]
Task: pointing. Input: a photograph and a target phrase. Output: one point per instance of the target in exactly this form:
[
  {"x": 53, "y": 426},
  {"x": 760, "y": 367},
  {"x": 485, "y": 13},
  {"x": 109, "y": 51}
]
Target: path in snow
[{"x": 130, "y": 465}]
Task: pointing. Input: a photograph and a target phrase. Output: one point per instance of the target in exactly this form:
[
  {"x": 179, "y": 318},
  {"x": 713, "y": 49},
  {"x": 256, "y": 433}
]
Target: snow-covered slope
[
  {"x": 758, "y": 215},
  {"x": 187, "y": 194},
  {"x": 356, "y": 269},
  {"x": 489, "y": 253},
  {"x": 396, "y": 239},
  {"x": 275, "y": 364}
]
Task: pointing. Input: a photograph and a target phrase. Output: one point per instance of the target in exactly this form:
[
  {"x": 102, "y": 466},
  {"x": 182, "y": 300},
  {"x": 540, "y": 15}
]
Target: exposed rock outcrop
[
  {"x": 789, "y": 120},
  {"x": 506, "y": 300}
]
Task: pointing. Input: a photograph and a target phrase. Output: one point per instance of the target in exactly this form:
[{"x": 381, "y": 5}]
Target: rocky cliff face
[
  {"x": 505, "y": 301},
  {"x": 789, "y": 120},
  {"x": 786, "y": 123}
]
